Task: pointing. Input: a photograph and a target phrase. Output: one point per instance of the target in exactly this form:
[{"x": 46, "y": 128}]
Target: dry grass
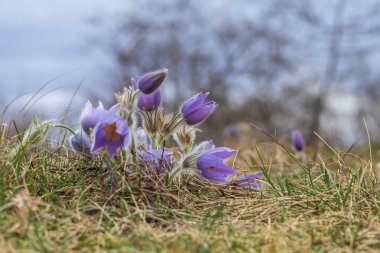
[{"x": 52, "y": 200}]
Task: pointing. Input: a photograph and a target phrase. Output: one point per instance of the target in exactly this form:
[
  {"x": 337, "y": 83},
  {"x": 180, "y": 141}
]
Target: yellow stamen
[{"x": 110, "y": 132}]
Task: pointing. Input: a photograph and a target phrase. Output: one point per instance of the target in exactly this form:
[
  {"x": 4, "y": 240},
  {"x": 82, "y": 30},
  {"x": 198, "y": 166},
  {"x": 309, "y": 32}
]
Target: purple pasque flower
[
  {"x": 158, "y": 160},
  {"x": 248, "y": 180},
  {"x": 194, "y": 110},
  {"x": 112, "y": 132},
  {"x": 150, "y": 81},
  {"x": 90, "y": 116},
  {"x": 211, "y": 166},
  {"x": 149, "y": 102},
  {"x": 297, "y": 139},
  {"x": 80, "y": 143}
]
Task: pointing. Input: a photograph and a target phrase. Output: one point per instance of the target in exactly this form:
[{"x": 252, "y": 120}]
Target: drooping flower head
[
  {"x": 194, "y": 110},
  {"x": 157, "y": 161},
  {"x": 81, "y": 143},
  {"x": 149, "y": 102},
  {"x": 112, "y": 132},
  {"x": 211, "y": 164},
  {"x": 90, "y": 116},
  {"x": 249, "y": 180},
  {"x": 150, "y": 81},
  {"x": 297, "y": 139}
]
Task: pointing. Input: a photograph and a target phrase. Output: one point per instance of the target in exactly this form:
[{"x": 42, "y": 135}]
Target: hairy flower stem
[
  {"x": 174, "y": 174},
  {"x": 133, "y": 152},
  {"x": 111, "y": 168},
  {"x": 154, "y": 141},
  {"x": 65, "y": 127}
]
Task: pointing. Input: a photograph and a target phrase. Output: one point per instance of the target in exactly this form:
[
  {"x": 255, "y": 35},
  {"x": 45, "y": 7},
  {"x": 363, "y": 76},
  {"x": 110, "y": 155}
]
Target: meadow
[{"x": 57, "y": 197}]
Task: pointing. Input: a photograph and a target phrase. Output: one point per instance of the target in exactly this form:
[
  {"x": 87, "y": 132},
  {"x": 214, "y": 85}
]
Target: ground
[{"x": 52, "y": 200}]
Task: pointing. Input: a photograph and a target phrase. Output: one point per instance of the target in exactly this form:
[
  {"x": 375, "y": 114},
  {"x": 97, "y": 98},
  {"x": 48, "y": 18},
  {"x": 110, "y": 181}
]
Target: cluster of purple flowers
[{"x": 118, "y": 135}]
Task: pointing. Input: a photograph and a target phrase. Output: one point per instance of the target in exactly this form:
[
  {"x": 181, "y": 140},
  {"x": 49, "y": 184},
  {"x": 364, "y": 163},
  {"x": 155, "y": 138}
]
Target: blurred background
[{"x": 282, "y": 65}]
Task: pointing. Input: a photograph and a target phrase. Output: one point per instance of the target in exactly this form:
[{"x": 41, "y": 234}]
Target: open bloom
[
  {"x": 80, "y": 143},
  {"x": 194, "y": 110},
  {"x": 150, "y": 81},
  {"x": 113, "y": 133},
  {"x": 297, "y": 139},
  {"x": 211, "y": 166},
  {"x": 90, "y": 116},
  {"x": 149, "y": 102},
  {"x": 249, "y": 180}
]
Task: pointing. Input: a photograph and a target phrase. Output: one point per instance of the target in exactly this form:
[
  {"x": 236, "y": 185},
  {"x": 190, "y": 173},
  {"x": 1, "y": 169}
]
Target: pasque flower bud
[
  {"x": 80, "y": 143},
  {"x": 194, "y": 110},
  {"x": 297, "y": 139},
  {"x": 149, "y": 102},
  {"x": 150, "y": 81}
]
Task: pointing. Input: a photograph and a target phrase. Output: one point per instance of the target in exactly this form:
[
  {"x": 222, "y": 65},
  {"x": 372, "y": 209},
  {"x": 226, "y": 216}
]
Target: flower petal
[
  {"x": 100, "y": 139},
  {"x": 222, "y": 152}
]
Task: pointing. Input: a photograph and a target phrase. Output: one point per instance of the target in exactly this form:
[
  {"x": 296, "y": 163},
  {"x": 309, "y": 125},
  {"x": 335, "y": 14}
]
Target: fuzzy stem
[
  {"x": 134, "y": 153},
  {"x": 111, "y": 166},
  {"x": 170, "y": 177},
  {"x": 65, "y": 127}
]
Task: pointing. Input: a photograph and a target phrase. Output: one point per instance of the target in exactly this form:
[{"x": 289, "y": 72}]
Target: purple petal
[
  {"x": 250, "y": 176},
  {"x": 200, "y": 114},
  {"x": 113, "y": 146},
  {"x": 298, "y": 141},
  {"x": 218, "y": 173},
  {"x": 205, "y": 161},
  {"x": 115, "y": 109},
  {"x": 80, "y": 142},
  {"x": 222, "y": 152},
  {"x": 149, "y": 102},
  {"x": 194, "y": 102},
  {"x": 150, "y": 81},
  {"x": 205, "y": 146},
  {"x": 100, "y": 139}
]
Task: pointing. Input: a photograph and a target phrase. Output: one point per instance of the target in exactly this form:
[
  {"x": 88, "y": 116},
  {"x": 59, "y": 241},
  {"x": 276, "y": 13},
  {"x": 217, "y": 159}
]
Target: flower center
[
  {"x": 211, "y": 168},
  {"x": 110, "y": 132}
]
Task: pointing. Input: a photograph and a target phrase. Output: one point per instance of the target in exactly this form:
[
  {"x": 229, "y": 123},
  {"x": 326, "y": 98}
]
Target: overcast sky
[{"x": 41, "y": 40}]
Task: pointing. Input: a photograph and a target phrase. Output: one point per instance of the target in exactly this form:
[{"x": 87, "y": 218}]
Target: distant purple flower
[
  {"x": 194, "y": 110},
  {"x": 297, "y": 139},
  {"x": 150, "y": 81},
  {"x": 249, "y": 180},
  {"x": 149, "y": 102},
  {"x": 211, "y": 165},
  {"x": 157, "y": 160},
  {"x": 231, "y": 131},
  {"x": 80, "y": 143},
  {"x": 113, "y": 133}
]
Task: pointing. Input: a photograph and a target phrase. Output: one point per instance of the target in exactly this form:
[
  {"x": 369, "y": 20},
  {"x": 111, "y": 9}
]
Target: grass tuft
[{"x": 52, "y": 200}]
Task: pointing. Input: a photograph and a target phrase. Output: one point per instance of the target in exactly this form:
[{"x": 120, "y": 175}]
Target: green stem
[
  {"x": 153, "y": 140},
  {"x": 65, "y": 127},
  {"x": 172, "y": 175},
  {"x": 111, "y": 165},
  {"x": 160, "y": 139},
  {"x": 133, "y": 151}
]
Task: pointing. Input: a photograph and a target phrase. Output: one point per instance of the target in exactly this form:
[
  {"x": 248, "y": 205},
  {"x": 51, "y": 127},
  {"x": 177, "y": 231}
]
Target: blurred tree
[{"x": 273, "y": 63}]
